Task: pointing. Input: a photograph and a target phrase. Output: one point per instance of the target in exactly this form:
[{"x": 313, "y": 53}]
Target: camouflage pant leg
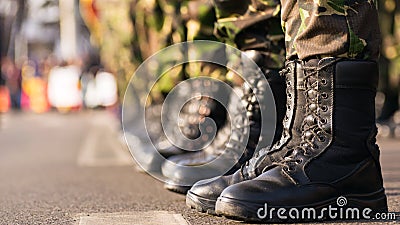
[
  {"x": 322, "y": 28},
  {"x": 252, "y": 24}
]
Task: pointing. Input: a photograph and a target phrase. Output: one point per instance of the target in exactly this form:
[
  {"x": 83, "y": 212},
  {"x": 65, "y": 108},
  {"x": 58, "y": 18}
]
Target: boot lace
[{"x": 311, "y": 127}]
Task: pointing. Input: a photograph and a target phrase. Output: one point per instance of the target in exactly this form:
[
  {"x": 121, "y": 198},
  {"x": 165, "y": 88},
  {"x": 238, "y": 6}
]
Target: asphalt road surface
[{"x": 74, "y": 169}]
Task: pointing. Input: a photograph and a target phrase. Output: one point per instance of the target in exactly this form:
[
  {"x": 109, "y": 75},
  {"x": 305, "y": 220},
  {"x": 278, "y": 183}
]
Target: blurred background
[
  {"x": 51, "y": 54},
  {"x": 65, "y": 66},
  {"x": 69, "y": 55},
  {"x": 59, "y": 54}
]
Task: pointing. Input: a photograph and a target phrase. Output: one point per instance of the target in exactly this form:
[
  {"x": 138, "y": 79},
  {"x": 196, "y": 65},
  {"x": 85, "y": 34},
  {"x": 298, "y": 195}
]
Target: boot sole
[
  {"x": 177, "y": 189},
  {"x": 247, "y": 211},
  {"x": 200, "y": 204}
]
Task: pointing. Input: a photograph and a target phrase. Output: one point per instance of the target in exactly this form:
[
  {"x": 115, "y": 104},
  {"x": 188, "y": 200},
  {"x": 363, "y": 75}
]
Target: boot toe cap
[
  {"x": 184, "y": 174},
  {"x": 210, "y": 188}
]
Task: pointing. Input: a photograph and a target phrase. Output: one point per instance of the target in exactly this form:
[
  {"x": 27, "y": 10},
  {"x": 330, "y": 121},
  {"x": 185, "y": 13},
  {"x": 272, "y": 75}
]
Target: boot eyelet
[
  {"x": 307, "y": 154},
  {"x": 323, "y": 82},
  {"x": 323, "y": 121},
  {"x": 324, "y": 95},
  {"x": 299, "y": 161},
  {"x": 288, "y": 169},
  {"x": 324, "y": 108}
]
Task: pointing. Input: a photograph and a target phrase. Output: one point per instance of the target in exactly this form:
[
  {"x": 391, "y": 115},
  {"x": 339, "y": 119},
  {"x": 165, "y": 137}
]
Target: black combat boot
[
  {"x": 337, "y": 162},
  {"x": 192, "y": 116},
  {"x": 203, "y": 195},
  {"x": 228, "y": 145}
]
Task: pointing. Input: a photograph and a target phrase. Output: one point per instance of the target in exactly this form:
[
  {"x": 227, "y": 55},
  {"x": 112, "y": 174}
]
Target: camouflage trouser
[
  {"x": 313, "y": 28},
  {"x": 252, "y": 25}
]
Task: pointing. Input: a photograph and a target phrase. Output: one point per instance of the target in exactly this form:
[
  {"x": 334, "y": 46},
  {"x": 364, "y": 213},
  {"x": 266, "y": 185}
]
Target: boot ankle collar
[
  {"x": 357, "y": 74},
  {"x": 349, "y": 73}
]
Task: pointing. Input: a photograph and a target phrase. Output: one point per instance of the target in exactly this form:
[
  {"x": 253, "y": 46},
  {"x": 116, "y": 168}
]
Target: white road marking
[
  {"x": 102, "y": 146},
  {"x": 4, "y": 120},
  {"x": 132, "y": 218},
  {"x": 117, "y": 155}
]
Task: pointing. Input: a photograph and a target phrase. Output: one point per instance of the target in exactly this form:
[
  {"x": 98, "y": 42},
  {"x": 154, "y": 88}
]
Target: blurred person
[
  {"x": 86, "y": 81},
  {"x": 101, "y": 90},
  {"x": 253, "y": 27},
  {"x": 91, "y": 65},
  {"x": 13, "y": 79},
  {"x": 106, "y": 86},
  {"x": 328, "y": 146},
  {"x": 4, "y": 95},
  {"x": 63, "y": 87},
  {"x": 34, "y": 87}
]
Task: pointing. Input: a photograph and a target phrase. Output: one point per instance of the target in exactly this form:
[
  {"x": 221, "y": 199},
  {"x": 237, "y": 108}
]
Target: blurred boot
[
  {"x": 228, "y": 146},
  {"x": 189, "y": 122},
  {"x": 192, "y": 117}
]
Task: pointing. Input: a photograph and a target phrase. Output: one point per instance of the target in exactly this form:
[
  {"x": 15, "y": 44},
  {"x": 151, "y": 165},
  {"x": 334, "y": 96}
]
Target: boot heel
[{"x": 376, "y": 201}]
